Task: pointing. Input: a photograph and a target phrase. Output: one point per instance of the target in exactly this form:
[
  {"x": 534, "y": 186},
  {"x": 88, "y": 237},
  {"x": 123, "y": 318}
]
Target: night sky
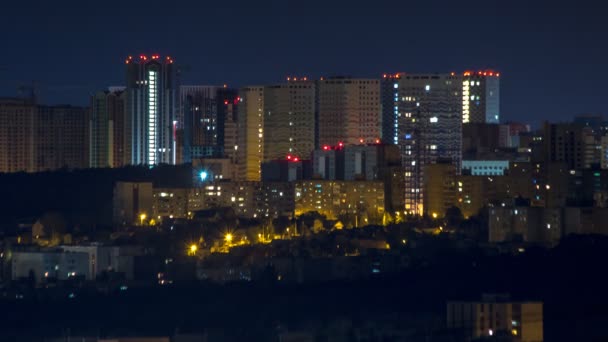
[{"x": 552, "y": 58}]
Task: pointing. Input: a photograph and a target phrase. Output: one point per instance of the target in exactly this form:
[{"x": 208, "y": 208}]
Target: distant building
[
  {"x": 328, "y": 163},
  {"x": 286, "y": 170},
  {"x": 205, "y": 170},
  {"x": 61, "y": 138},
  {"x": 117, "y": 259},
  {"x": 199, "y": 121},
  {"x": 207, "y": 122},
  {"x": 573, "y": 144},
  {"x": 42, "y": 138},
  {"x": 169, "y": 203},
  {"x": 108, "y": 135},
  {"x": 496, "y": 316},
  {"x": 52, "y": 264},
  {"x": 349, "y": 111},
  {"x": 526, "y": 224},
  {"x": 364, "y": 199},
  {"x": 428, "y": 115},
  {"x": 16, "y": 135},
  {"x": 480, "y": 136},
  {"x": 150, "y": 97},
  {"x": 251, "y": 199},
  {"x": 439, "y": 188},
  {"x": 485, "y": 167},
  {"x": 132, "y": 203},
  {"x": 250, "y": 133},
  {"x": 289, "y": 119},
  {"x": 481, "y": 96}
]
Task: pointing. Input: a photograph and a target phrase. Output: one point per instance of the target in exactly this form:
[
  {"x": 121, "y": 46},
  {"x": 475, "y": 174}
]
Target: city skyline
[{"x": 536, "y": 47}]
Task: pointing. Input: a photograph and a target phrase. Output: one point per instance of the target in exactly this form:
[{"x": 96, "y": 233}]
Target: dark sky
[{"x": 552, "y": 57}]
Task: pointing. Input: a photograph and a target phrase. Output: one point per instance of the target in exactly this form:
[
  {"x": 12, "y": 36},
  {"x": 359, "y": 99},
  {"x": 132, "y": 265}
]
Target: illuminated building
[
  {"x": 250, "y": 121},
  {"x": 428, "y": 115},
  {"x": 251, "y": 199},
  {"x": 61, "y": 138},
  {"x": 205, "y": 170},
  {"x": 16, "y": 135},
  {"x": 151, "y": 109},
  {"x": 496, "y": 316},
  {"x": 439, "y": 188},
  {"x": 132, "y": 203},
  {"x": 170, "y": 203},
  {"x": 481, "y": 96},
  {"x": 349, "y": 111},
  {"x": 108, "y": 136},
  {"x": 328, "y": 163},
  {"x": 206, "y": 114},
  {"x": 363, "y": 162},
  {"x": 289, "y": 117},
  {"x": 363, "y": 199},
  {"x": 485, "y": 167},
  {"x": 227, "y": 112},
  {"x": 198, "y": 120}
]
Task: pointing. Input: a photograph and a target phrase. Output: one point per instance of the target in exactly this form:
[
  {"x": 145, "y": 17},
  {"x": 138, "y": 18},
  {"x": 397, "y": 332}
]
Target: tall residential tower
[
  {"x": 151, "y": 109},
  {"x": 426, "y": 116}
]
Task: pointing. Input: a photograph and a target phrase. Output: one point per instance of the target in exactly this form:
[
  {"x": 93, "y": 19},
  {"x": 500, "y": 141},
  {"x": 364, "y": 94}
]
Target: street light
[
  {"x": 142, "y": 217},
  {"x": 228, "y": 238},
  {"x": 192, "y": 250}
]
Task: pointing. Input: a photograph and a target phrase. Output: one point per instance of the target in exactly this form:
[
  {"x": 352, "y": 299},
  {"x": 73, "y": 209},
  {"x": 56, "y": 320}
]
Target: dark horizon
[{"x": 550, "y": 56}]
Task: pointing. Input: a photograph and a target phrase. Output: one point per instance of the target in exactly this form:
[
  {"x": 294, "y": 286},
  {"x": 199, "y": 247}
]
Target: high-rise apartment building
[
  {"x": 570, "y": 143},
  {"x": 250, "y": 133},
  {"x": 349, "y": 111},
  {"x": 107, "y": 130},
  {"x": 42, "y": 138},
  {"x": 61, "y": 138},
  {"x": 16, "y": 138},
  {"x": 427, "y": 114},
  {"x": 198, "y": 118},
  {"x": 481, "y": 97},
  {"x": 151, "y": 109},
  {"x": 227, "y": 112},
  {"x": 289, "y": 119}
]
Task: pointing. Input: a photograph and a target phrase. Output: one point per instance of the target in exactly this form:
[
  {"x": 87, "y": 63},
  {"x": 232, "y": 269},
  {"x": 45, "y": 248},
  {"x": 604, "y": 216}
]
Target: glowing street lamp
[
  {"x": 192, "y": 249},
  {"x": 142, "y": 217},
  {"x": 228, "y": 238},
  {"x": 203, "y": 175}
]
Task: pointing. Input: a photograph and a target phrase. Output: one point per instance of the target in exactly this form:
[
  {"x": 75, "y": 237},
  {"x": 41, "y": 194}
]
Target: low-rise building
[
  {"x": 496, "y": 316},
  {"x": 50, "y": 264},
  {"x": 334, "y": 198},
  {"x": 132, "y": 202}
]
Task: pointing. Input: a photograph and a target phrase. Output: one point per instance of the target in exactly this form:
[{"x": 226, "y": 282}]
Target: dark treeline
[
  {"x": 567, "y": 279},
  {"x": 83, "y": 197}
]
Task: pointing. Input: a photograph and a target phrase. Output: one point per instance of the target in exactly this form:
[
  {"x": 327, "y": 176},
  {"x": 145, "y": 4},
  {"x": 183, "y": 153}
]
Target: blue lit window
[{"x": 408, "y": 136}]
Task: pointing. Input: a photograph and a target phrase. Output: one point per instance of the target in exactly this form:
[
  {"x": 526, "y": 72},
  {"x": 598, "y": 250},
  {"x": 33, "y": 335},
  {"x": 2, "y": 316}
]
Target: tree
[{"x": 453, "y": 216}]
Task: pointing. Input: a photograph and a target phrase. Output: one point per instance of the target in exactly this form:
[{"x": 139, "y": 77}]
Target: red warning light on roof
[
  {"x": 341, "y": 144},
  {"x": 325, "y": 148},
  {"x": 296, "y": 159},
  {"x": 225, "y": 102}
]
